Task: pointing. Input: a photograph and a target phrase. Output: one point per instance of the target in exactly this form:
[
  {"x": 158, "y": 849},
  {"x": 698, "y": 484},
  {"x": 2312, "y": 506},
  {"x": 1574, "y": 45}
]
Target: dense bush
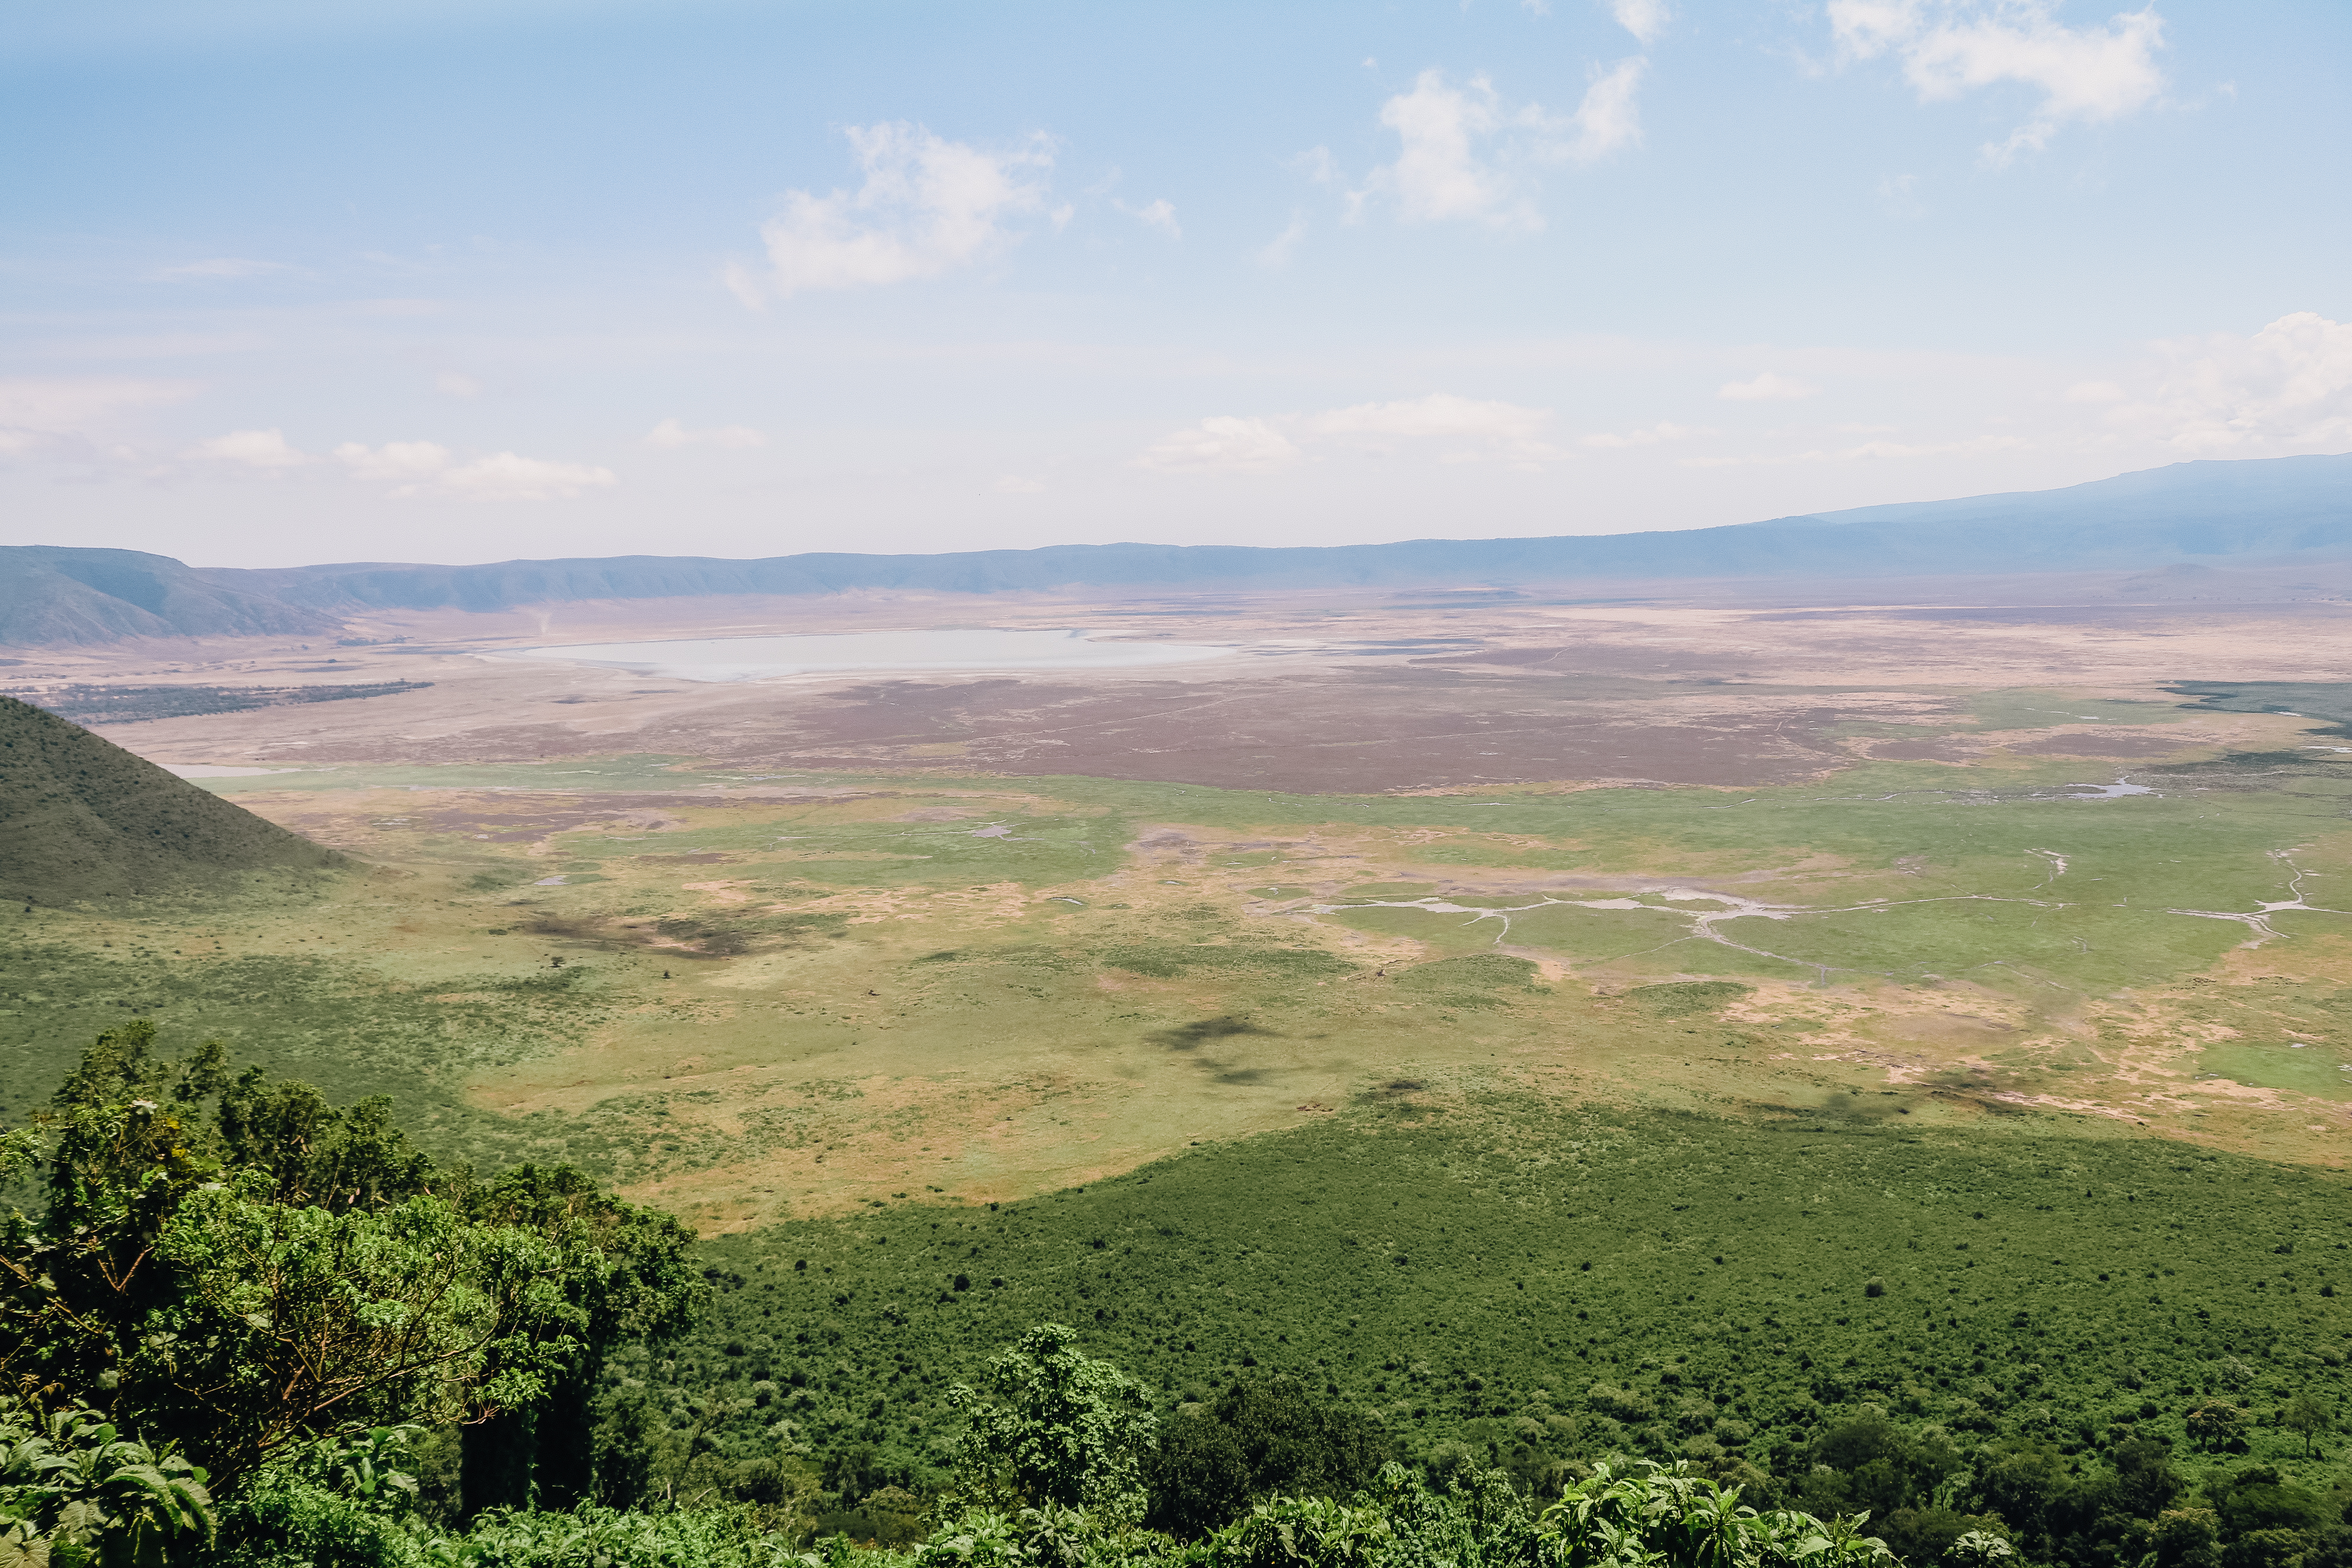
[
  {"x": 1517, "y": 1287},
  {"x": 249, "y": 1327},
  {"x": 250, "y": 1281},
  {"x": 1256, "y": 1441},
  {"x": 75, "y": 1490}
]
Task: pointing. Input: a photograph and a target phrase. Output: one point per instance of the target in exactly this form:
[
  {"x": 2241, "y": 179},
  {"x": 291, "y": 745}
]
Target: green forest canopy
[{"x": 241, "y": 1312}]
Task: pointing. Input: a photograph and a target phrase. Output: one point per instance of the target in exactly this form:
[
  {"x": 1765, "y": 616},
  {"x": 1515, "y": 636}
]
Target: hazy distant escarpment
[
  {"x": 82, "y": 819},
  {"x": 2269, "y": 509},
  {"x": 58, "y": 594}
]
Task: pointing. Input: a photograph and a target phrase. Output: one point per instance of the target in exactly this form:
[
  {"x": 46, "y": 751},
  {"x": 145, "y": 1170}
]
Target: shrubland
[
  {"x": 2061, "y": 1335},
  {"x": 244, "y": 1324}
]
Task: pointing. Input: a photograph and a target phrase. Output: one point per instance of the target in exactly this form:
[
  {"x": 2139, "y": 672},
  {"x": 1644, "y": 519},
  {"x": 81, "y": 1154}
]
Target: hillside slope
[{"x": 82, "y": 819}]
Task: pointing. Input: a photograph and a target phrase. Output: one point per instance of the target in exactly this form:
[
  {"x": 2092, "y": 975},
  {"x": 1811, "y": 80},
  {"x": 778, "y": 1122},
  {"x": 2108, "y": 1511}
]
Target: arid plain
[{"x": 1995, "y": 854}]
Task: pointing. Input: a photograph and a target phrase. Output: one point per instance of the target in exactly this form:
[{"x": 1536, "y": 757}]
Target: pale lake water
[{"x": 750, "y": 658}]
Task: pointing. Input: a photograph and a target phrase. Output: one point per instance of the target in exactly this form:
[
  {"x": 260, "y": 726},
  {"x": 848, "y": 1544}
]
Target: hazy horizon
[{"x": 521, "y": 280}]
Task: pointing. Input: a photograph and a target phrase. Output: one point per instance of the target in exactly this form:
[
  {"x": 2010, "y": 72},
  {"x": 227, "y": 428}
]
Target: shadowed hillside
[{"x": 82, "y": 819}]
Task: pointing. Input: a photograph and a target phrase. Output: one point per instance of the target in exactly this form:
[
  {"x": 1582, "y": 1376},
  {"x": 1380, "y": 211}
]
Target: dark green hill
[{"x": 82, "y": 819}]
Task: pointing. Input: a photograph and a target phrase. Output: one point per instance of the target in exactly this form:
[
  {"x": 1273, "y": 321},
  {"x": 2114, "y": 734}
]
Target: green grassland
[{"x": 750, "y": 1004}]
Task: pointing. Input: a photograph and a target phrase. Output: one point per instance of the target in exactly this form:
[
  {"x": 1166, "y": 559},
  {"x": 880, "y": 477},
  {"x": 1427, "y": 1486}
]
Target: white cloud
[
  {"x": 1465, "y": 430},
  {"x": 1868, "y": 451},
  {"x": 19, "y": 443},
  {"x": 2287, "y": 388},
  {"x": 1608, "y": 118},
  {"x": 1160, "y": 215},
  {"x": 457, "y": 384},
  {"x": 505, "y": 476},
  {"x": 266, "y": 451},
  {"x": 1898, "y": 195},
  {"x": 1462, "y": 156},
  {"x": 1765, "y": 388},
  {"x": 1645, "y": 19},
  {"x": 68, "y": 402},
  {"x": 410, "y": 464},
  {"x": 221, "y": 267},
  {"x": 669, "y": 436},
  {"x": 53, "y": 416},
  {"x": 1655, "y": 435},
  {"x": 1014, "y": 485},
  {"x": 1317, "y": 164},
  {"x": 423, "y": 469},
  {"x": 1949, "y": 48},
  {"x": 1475, "y": 428},
  {"x": 2095, "y": 392},
  {"x": 1439, "y": 173},
  {"x": 1275, "y": 253},
  {"x": 928, "y": 207},
  {"x": 744, "y": 284},
  {"x": 1224, "y": 445},
  {"x": 1974, "y": 445}
]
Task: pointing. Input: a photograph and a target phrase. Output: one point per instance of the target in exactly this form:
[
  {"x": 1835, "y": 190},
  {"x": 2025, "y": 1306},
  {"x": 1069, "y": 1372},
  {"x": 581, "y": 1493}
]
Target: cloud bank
[{"x": 2285, "y": 389}]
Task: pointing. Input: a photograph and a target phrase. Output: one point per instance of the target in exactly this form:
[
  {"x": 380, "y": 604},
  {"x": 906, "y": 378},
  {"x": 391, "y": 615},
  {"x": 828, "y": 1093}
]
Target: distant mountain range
[{"x": 2260, "y": 510}]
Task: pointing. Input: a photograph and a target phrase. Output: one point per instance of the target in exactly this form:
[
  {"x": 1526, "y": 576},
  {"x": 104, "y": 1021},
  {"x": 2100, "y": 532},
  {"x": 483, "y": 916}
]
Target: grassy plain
[{"x": 755, "y": 994}]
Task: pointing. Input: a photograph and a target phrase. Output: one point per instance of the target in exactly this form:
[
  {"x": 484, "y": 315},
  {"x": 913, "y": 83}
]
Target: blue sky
[{"x": 428, "y": 281}]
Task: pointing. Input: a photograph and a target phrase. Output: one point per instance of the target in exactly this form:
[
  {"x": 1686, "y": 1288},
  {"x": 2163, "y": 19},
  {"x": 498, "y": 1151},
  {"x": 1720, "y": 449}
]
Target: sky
[{"x": 421, "y": 281}]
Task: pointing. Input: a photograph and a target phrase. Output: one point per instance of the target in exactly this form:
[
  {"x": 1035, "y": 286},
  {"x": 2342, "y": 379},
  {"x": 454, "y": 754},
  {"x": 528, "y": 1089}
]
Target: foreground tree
[
  {"x": 619, "y": 1273},
  {"x": 1256, "y": 1441},
  {"x": 1063, "y": 1431},
  {"x": 274, "y": 1271},
  {"x": 1050, "y": 1480},
  {"x": 2307, "y": 1418},
  {"x": 74, "y": 1490}
]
